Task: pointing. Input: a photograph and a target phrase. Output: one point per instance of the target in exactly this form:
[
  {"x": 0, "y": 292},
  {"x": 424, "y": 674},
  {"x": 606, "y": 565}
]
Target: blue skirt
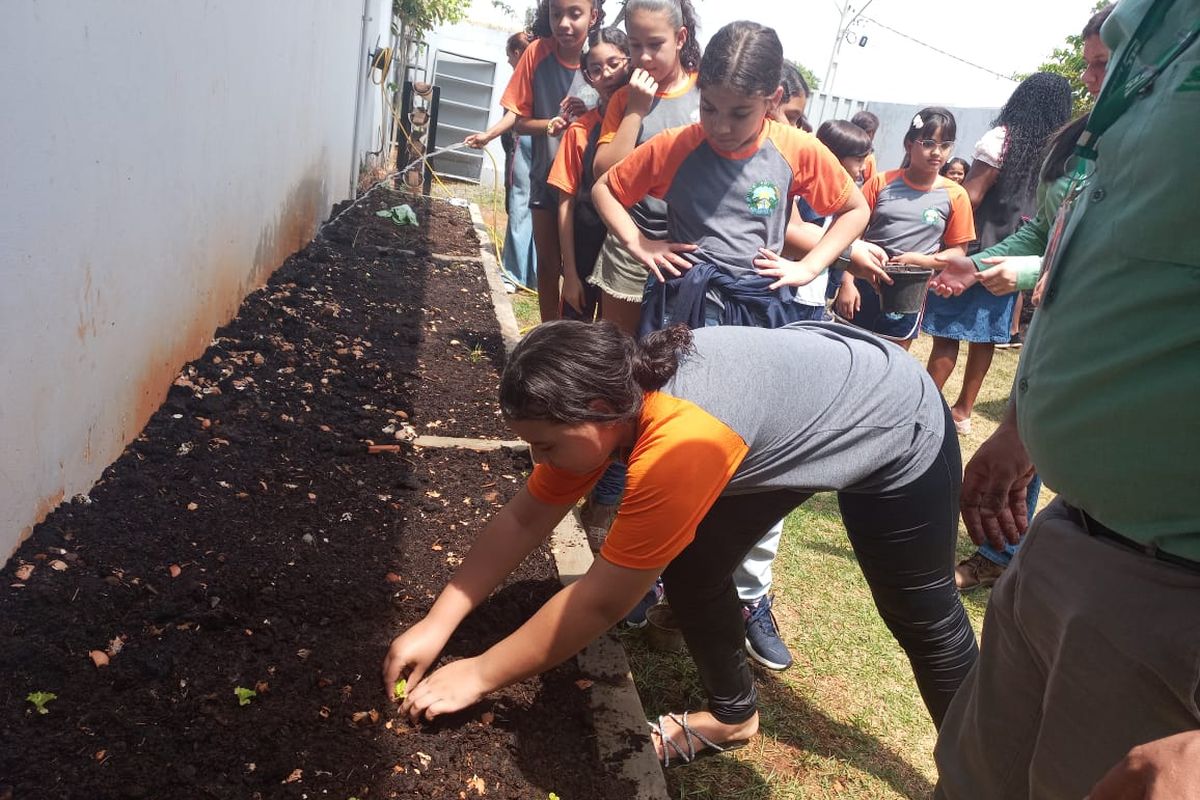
[{"x": 976, "y": 315}]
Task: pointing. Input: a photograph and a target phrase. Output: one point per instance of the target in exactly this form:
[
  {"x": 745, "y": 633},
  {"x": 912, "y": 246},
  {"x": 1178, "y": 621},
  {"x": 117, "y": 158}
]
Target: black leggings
[{"x": 904, "y": 540}]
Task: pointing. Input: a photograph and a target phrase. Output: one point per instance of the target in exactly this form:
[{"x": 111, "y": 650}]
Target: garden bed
[{"x": 248, "y": 539}]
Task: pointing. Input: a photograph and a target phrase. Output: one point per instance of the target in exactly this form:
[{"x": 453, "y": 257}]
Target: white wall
[
  {"x": 894, "y": 119},
  {"x": 159, "y": 161}
]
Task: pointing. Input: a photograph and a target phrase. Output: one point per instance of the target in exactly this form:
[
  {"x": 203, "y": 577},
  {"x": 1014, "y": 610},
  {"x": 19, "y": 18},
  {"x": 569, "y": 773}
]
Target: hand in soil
[
  {"x": 411, "y": 655},
  {"x": 449, "y": 689}
]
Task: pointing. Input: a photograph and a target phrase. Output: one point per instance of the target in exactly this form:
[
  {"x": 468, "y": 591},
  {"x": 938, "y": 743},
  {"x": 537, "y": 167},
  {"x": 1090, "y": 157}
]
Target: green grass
[{"x": 846, "y": 721}]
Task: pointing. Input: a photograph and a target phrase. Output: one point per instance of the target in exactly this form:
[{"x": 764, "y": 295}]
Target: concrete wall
[{"x": 159, "y": 161}]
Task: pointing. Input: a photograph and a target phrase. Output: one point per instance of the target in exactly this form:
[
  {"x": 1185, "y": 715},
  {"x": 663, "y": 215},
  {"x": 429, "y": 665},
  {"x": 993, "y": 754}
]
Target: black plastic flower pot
[{"x": 906, "y": 293}]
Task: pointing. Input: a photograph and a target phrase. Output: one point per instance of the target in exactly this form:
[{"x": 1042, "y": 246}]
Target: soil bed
[{"x": 247, "y": 539}]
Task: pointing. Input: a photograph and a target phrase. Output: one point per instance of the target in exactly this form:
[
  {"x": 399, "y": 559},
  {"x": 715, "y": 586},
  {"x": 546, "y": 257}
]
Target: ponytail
[
  {"x": 682, "y": 14},
  {"x": 570, "y": 372}
]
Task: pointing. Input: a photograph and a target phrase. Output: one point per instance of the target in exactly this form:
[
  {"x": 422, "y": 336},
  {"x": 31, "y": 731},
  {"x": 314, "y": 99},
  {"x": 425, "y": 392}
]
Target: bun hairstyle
[
  {"x": 927, "y": 123},
  {"x": 540, "y": 29},
  {"x": 744, "y": 56},
  {"x": 569, "y": 372},
  {"x": 867, "y": 121},
  {"x": 682, "y": 14}
]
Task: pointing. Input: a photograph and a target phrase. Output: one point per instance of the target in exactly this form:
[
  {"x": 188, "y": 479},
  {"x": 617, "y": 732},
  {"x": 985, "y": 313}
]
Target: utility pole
[{"x": 843, "y": 31}]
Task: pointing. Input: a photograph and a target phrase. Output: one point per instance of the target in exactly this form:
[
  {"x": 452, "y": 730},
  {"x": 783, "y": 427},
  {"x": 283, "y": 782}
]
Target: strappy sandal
[{"x": 690, "y": 754}]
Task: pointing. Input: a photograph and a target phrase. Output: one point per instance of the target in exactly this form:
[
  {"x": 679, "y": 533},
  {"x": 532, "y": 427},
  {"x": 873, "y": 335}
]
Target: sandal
[{"x": 691, "y": 753}]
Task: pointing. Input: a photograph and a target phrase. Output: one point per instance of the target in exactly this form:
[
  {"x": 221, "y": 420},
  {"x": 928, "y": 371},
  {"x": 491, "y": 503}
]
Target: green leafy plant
[
  {"x": 40, "y": 699},
  {"x": 552, "y": 796},
  {"x": 400, "y": 690},
  {"x": 1068, "y": 62},
  {"x": 244, "y": 695},
  {"x": 476, "y": 354},
  {"x": 423, "y": 15},
  {"x": 401, "y": 215}
]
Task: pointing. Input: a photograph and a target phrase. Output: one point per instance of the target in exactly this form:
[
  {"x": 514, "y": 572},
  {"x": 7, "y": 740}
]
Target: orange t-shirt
[
  {"x": 669, "y": 110},
  {"x": 910, "y": 219},
  {"x": 869, "y": 167},
  {"x": 567, "y": 172},
  {"x": 683, "y": 459}
]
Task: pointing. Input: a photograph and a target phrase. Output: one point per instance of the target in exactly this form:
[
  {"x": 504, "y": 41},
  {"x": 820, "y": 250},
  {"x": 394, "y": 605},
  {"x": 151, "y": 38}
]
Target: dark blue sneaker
[
  {"x": 637, "y": 617},
  {"x": 762, "y": 636}
]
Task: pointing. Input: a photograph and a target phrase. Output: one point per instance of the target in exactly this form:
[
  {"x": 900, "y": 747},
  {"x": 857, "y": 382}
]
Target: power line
[{"x": 938, "y": 50}]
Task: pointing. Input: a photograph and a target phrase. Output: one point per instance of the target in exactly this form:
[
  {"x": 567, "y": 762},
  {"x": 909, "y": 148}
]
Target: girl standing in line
[
  {"x": 661, "y": 94},
  {"x": 1002, "y": 186},
  {"x": 581, "y": 232},
  {"x": 956, "y": 170},
  {"x": 538, "y": 95},
  {"x": 917, "y": 216}
]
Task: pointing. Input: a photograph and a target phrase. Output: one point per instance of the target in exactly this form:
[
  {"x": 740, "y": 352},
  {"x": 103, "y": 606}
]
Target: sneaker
[
  {"x": 976, "y": 572},
  {"x": 762, "y": 636},
  {"x": 1014, "y": 342},
  {"x": 637, "y": 617}
]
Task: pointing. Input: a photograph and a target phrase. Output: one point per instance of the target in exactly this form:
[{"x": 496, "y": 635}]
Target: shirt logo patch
[
  {"x": 1191, "y": 82},
  {"x": 930, "y": 216},
  {"x": 763, "y": 198}
]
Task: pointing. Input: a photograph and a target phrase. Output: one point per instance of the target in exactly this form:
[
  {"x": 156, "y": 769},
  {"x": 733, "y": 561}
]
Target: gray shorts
[{"x": 618, "y": 273}]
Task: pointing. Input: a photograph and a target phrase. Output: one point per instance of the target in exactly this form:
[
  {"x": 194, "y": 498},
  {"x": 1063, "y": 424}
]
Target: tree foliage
[
  {"x": 421, "y": 16},
  {"x": 1068, "y": 62},
  {"x": 809, "y": 76}
]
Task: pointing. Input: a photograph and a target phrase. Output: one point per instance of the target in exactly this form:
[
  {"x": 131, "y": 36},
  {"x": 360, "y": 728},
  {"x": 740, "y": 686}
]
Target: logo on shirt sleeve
[{"x": 763, "y": 198}]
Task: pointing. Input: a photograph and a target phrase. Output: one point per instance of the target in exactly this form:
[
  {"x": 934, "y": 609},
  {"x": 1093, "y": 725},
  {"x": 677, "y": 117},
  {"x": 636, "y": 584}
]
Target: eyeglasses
[
  {"x": 932, "y": 144},
  {"x": 597, "y": 71}
]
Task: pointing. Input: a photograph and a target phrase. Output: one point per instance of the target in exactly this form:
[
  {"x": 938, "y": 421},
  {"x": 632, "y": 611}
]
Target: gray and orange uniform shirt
[
  {"x": 869, "y": 421},
  {"x": 909, "y": 219},
  {"x": 668, "y": 110},
  {"x": 536, "y": 91}
]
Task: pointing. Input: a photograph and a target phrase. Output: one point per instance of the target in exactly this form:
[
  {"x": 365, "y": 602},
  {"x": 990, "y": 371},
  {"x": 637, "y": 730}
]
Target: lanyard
[{"x": 1125, "y": 84}]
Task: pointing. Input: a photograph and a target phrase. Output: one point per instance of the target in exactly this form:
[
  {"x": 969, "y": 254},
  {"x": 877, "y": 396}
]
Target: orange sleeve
[
  {"x": 518, "y": 95},
  {"x": 872, "y": 187},
  {"x": 869, "y": 167},
  {"x": 651, "y": 167},
  {"x": 682, "y": 461},
  {"x": 960, "y": 228},
  {"x": 817, "y": 175},
  {"x": 614, "y": 114},
  {"x": 568, "y": 163},
  {"x": 556, "y": 487}
]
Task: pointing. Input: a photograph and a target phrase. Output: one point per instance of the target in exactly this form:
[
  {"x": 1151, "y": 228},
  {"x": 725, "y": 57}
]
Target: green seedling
[
  {"x": 552, "y": 796},
  {"x": 476, "y": 354},
  {"x": 400, "y": 690},
  {"x": 39, "y": 700},
  {"x": 244, "y": 695},
  {"x": 401, "y": 215}
]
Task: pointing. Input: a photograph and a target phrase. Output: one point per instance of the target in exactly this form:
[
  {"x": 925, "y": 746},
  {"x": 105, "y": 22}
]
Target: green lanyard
[{"x": 1124, "y": 84}]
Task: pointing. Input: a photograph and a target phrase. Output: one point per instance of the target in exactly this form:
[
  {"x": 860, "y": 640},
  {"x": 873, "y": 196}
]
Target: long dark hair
[
  {"x": 744, "y": 56},
  {"x": 682, "y": 14},
  {"x": 1037, "y": 108},
  {"x": 540, "y": 29},
  {"x": 927, "y": 123},
  {"x": 793, "y": 82},
  {"x": 570, "y": 372},
  {"x": 844, "y": 138},
  {"x": 1061, "y": 147}
]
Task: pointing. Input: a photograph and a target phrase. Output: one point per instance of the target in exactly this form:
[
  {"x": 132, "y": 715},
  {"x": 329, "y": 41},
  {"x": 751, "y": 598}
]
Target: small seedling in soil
[
  {"x": 400, "y": 690},
  {"x": 476, "y": 354},
  {"x": 40, "y": 699},
  {"x": 244, "y": 695}
]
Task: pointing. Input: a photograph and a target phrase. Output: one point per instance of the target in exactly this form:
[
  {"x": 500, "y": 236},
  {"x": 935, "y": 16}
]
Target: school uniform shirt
[
  {"x": 870, "y": 168},
  {"x": 869, "y": 420},
  {"x": 731, "y": 204},
  {"x": 572, "y": 172},
  {"x": 667, "y": 110},
  {"x": 536, "y": 91}
]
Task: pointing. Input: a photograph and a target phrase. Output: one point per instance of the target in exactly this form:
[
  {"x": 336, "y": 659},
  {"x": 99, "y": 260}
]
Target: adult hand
[
  {"x": 477, "y": 141},
  {"x": 411, "y": 655},
  {"x": 659, "y": 257},
  {"x": 1164, "y": 769},
  {"x": 770, "y": 264},
  {"x": 1001, "y": 276},
  {"x": 556, "y": 126},
  {"x": 867, "y": 262},
  {"x": 847, "y": 302},
  {"x": 993, "y": 489},
  {"x": 449, "y": 689},
  {"x": 572, "y": 107},
  {"x": 958, "y": 275},
  {"x": 642, "y": 88}
]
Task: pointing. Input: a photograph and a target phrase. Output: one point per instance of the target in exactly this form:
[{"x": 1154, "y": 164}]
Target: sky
[{"x": 1005, "y": 36}]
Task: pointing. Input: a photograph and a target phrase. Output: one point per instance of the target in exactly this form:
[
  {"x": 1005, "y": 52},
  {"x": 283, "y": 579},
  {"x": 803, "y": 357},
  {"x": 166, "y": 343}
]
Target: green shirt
[
  {"x": 1030, "y": 239},
  {"x": 1108, "y": 390}
]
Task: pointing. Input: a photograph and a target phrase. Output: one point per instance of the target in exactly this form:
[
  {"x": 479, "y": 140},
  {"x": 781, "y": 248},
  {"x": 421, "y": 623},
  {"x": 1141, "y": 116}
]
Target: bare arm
[
  {"x": 642, "y": 89},
  {"x": 656, "y": 256},
  {"x": 979, "y": 181},
  {"x": 936, "y": 262},
  {"x": 533, "y": 126},
  {"x": 572, "y": 290},
  {"x": 801, "y": 237},
  {"x": 505, "y": 124}
]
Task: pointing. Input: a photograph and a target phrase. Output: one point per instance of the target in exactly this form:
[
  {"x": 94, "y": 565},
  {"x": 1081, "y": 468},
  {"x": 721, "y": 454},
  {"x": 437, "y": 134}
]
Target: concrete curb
[{"x": 617, "y": 712}]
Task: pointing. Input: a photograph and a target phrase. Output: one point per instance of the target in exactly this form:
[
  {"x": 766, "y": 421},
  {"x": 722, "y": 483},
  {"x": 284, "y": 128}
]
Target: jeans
[
  {"x": 1003, "y": 557},
  {"x": 611, "y": 486},
  {"x": 520, "y": 261},
  {"x": 904, "y": 541}
]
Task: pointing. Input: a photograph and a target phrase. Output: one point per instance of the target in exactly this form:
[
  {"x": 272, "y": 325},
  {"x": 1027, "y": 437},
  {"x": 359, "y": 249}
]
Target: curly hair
[
  {"x": 540, "y": 29},
  {"x": 1038, "y": 107},
  {"x": 682, "y": 14}
]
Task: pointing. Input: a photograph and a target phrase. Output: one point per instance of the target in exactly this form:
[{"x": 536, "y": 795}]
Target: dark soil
[{"x": 247, "y": 539}]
